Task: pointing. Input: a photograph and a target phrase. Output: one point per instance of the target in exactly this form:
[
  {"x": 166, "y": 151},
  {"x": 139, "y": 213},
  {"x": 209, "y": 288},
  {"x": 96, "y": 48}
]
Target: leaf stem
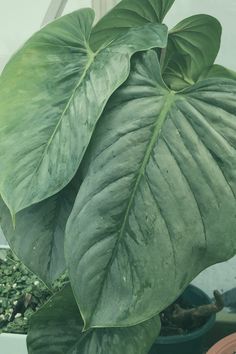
[{"x": 162, "y": 58}]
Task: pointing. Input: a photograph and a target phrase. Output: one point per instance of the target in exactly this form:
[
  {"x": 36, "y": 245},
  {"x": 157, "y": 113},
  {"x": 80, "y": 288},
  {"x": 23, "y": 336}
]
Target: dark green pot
[{"x": 193, "y": 342}]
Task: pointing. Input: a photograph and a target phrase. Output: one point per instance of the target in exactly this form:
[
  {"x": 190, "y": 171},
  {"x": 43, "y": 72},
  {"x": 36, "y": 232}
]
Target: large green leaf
[
  {"x": 57, "y": 328},
  {"x": 157, "y": 204},
  {"x": 38, "y": 236},
  {"x": 52, "y": 93},
  {"x": 127, "y": 14},
  {"x": 192, "y": 47}
]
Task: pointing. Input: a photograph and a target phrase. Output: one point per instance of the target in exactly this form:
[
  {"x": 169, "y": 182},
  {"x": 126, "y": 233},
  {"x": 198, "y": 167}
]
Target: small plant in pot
[
  {"x": 186, "y": 323},
  {"x": 117, "y": 164}
]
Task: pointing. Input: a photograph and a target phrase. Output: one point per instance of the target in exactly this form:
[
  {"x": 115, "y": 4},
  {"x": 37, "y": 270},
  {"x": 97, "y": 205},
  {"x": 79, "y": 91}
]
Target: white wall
[
  {"x": 73, "y": 5},
  {"x": 102, "y": 6}
]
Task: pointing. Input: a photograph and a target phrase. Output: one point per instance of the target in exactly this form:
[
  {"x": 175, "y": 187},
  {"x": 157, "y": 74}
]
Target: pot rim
[
  {"x": 18, "y": 335},
  {"x": 4, "y": 247},
  {"x": 194, "y": 334},
  {"x": 224, "y": 344}
]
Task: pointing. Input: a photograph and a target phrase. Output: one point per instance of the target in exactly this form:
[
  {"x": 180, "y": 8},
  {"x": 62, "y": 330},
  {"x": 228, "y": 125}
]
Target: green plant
[{"x": 118, "y": 142}]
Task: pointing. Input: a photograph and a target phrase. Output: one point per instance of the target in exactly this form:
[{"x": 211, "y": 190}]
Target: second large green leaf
[
  {"x": 52, "y": 94},
  {"x": 57, "y": 329},
  {"x": 157, "y": 204}
]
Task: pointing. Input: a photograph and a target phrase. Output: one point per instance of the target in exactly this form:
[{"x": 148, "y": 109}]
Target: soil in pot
[
  {"x": 185, "y": 323},
  {"x": 21, "y": 294}
]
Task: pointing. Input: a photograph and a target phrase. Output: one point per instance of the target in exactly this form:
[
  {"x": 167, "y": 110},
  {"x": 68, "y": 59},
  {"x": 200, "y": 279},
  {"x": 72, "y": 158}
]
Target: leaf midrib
[
  {"x": 170, "y": 98},
  {"x": 156, "y": 133}
]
